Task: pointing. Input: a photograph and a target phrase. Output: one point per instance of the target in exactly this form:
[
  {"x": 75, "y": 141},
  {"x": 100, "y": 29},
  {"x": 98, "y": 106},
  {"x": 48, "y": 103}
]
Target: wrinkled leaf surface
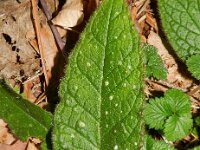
[{"x": 102, "y": 91}]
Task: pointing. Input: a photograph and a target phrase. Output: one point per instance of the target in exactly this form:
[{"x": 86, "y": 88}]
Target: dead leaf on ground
[
  {"x": 17, "y": 59},
  {"x": 33, "y": 144},
  {"x": 53, "y": 58},
  {"x": 70, "y": 15},
  {"x": 5, "y": 136},
  {"x": 18, "y": 145}
]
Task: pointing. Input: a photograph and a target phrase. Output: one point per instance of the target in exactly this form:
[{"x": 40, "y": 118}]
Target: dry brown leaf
[
  {"x": 174, "y": 76},
  {"x": 18, "y": 145},
  {"x": 5, "y": 136},
  {"x": 70, "y": 15},
  {"x": 17, "y": 58},
  {"x": 32, "y": 144},
  {"x": 51, "y": 55},
  {"x": 28, "y": 91}
]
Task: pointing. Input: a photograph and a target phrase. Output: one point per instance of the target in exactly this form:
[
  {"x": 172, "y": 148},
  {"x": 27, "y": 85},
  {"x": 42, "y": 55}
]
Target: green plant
[
  {"x": 180, "y": 22},
  {"x": 151, "y": 144},
  {"x": 170, "y": 114},
  {"x": 25, "y": 119},
  {"x": 153, "y": 62},
  {"x": 102, "y": 91},
  {"x": 101, "y": 94}
]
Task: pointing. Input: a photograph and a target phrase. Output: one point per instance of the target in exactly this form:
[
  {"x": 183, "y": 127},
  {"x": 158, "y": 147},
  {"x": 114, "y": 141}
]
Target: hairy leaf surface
[
  {"x": 24, "y": 119},
  {"x": 193, "y": 64},
  {"x": 102, "y": 91},
  {"x": 180, "y": 20}
]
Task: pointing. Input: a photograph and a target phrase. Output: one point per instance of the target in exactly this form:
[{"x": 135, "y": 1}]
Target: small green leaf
[
  {"x": 172, "y": 113},
  {"x": 24, "y": 119},
  {"x": 193, "y": 64},
  {"x": 148, "y": 143},
  {"x": 102, "y": 90},
  {"x": 156, "y": 110},
  {"x": 151, "y": 144},
  {"x": 177, "y": 127},
  {"x": 160, "y": 145},
  {"x": 154, "y": 64}
]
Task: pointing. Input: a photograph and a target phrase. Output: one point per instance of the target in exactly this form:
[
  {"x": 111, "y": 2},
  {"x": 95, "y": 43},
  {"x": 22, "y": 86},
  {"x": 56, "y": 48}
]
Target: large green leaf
[
  {"x": 193, "y": 64},
  {"x": 102, "y": 91},
  {"x": 180, "y": 20},
  {"x": 24, "y": 119}
]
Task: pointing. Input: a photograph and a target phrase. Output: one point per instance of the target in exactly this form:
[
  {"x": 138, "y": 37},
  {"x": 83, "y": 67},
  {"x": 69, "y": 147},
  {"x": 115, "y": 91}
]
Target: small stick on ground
[
  {"x": 165, "y": 84},
  {"x": 194, "y": 91},
  {"x": 37, "y": 29},
  {"x": 58, "y": 39}
]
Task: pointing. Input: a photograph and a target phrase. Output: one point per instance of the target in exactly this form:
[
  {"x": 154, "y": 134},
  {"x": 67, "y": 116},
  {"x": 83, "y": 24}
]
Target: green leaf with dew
[{"x": 102, "y": 90}]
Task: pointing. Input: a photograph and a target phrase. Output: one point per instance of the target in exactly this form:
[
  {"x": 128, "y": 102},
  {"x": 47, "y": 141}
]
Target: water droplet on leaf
[
  {"x": 124, "y": 85},
  {"x": 110, "y": 97},
  {"x": 106, "y": 83},
  {"x": 106, "y": 112},
  {"x": 81, "y": 124},
  {"x": 72, "y": 135},
  {"x": 116, "y": 147},
  {"x": 88, "y": 64}
]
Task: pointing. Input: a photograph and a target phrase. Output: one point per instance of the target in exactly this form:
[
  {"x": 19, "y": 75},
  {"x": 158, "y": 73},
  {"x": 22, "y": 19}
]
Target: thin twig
[
  {"x": 142, "y": 8},
  {"x": 59, "y": 41},
  {"x": 165, "y": 84},
  {"x": 194, "y": 91},
  {"x": 37, "y": 29},
  {"x": 32, "y": 78}
]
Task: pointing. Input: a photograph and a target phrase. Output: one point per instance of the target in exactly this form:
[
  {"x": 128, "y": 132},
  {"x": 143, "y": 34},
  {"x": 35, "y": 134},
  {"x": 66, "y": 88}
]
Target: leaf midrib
[{"x": 104, "y": 60}]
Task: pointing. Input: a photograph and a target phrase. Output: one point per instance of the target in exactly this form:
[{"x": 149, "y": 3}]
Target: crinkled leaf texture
[
  {"x": 102, "y": 91},
  {"x": 180, "y": 20},
  {"x": 193, "y": 64},
  {"x": 170, "y": 113},
  {"x": 24, "y": 119},
  {"x": 154, "y": 64}
]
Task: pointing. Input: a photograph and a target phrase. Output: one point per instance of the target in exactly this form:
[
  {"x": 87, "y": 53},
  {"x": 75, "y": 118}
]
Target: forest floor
[{"x": 32, "y": 57}]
